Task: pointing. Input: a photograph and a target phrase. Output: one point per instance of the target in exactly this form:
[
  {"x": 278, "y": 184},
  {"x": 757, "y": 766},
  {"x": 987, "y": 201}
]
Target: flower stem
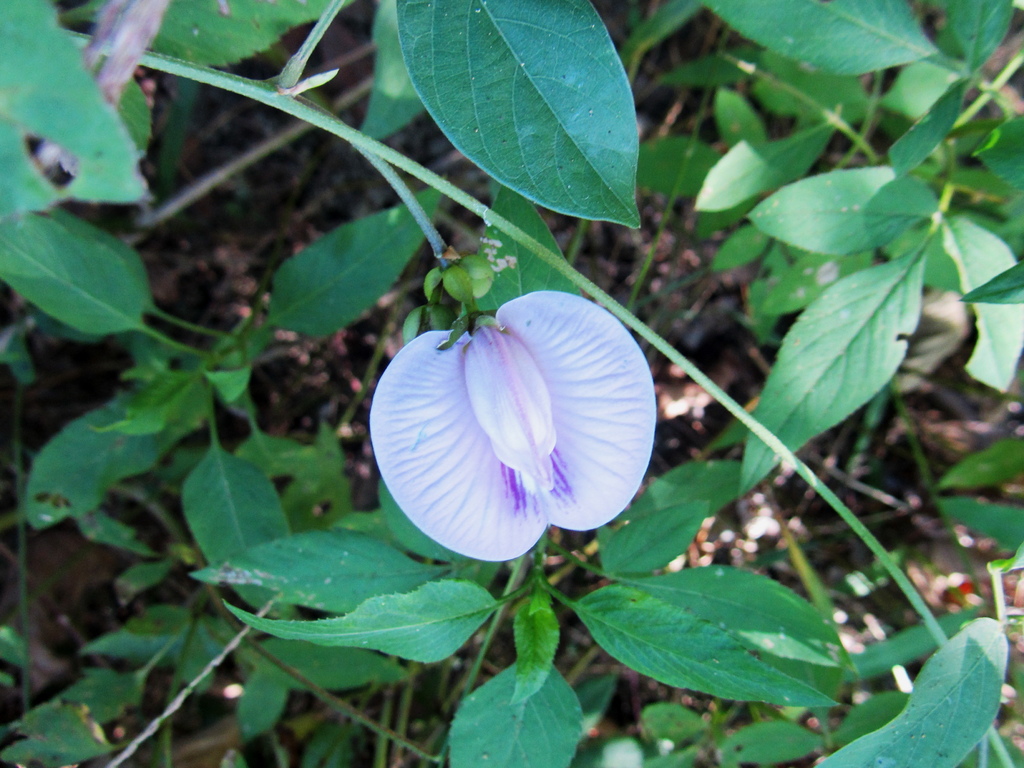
[{"x": 293, "y": 70}]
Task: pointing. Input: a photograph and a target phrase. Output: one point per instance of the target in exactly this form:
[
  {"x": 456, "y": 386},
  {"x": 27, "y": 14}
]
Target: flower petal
[
  {"x": 602, "y": 402},
  {"x": 438, "y": 462}
]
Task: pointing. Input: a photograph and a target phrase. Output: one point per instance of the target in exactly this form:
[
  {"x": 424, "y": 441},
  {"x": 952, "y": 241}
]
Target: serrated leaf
[
  {"x": 758, "y": 610},
  {"x": 540, "y": 732},
  {"x": 652, "y": 540},
  {"x": 747, "y": 170},
  {"x": 1003, "y": 152},
  {"x": 393, "y": 100},
  {"x": 75, "y": 272},
  {"x": 844, "y": 212},
  {"x": 979, "y": 256},
  {"x": 336, "y": 278},
  {"x": 978, "y": 27},
  {"x": 1005, "y": 288},
  {"x": 518, "y": 270},
  {"x": 71, "y": 474},
  {"x": 960, "y": 685},
  {"x": 927, "y": 133},
  {"x": 332, "y": 570},
  {"x": 536, "y": 636},
  {"x": 844, "y": 347},
  {"x": 230, "y": 506},
  {"x": 426, "y": 625},
  {"x": 842, "y": 36},
  {"x": 674, "y": 647},
  {"x": 48, "y": 94},
  {"x": 217, "y": 33},
  {"x": 532, "y": 92}
]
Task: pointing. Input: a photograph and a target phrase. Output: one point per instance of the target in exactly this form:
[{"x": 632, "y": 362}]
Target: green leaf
[
  {"x": 978, "y": 27},
  {"x": 843, "y": 36},
  {"x": 135, "y": 113},
  {"x": 869, "y": 716},
  {"x": 844, "y": 212},
  {"x": 905, "y": 647},
  {"x": 75, "y": 272},
  {"x": 710, "y": 71},
  {"x": 101, "y": 528},
  {"x": 540, "y": 732},
  {"x": 263, "y": 701},
  {"x": 12, "y": 647},
  {"x": 652, "y": 540},
  {"x": 215, "y": 33},
  {"x": 426, "y": 625},
  {"x": 928, "y": 132},
  {"x": 736, "y": 120},
  {"x": 979, "y": 256},
  {"x": 799, "y": 277},
  {"x": 518, "y": 270},
  {"x": 666, "y": 20},
  {"x": 335, "y": 669},
  {"x": 1000, "y": 463},
  {"x": 778, "y": 741},
  {"x": 230, "y": 506},
  {"x": 48, "y": 94},
  {"x": 959, "y": 686},
  {"x": 1003, "y": 151},
  {"x": 674, "y": 647},
  {"x": 532, "y": 92},
  {"x": 807, "y": 94},
  {"x": 675, "y": 165},
  {"x": 140, "y": 577},
  {"x": 393, "y": 100},
  {"x": 671, "y": 721},
  {"x": 839, "y": 353},
  {"x": 1005, "y": 288},
  {"x": 57, "y": 734},
  {"x": 105, "y": 692},
  {"x": 230, "y": 385},
  {"x": 333, "y": 570},
  {"x": 1002, "y": 522},
  {"x": 71, "y": 474},
  {"x": 536, "y": 635},
  {"x": 742, "y": 247},
  {"x": 917, "y": 87},
  {"x": 747, "y": 170},
  {"x": 335, "y": 279},
  {"x": 758, "y": 610}
]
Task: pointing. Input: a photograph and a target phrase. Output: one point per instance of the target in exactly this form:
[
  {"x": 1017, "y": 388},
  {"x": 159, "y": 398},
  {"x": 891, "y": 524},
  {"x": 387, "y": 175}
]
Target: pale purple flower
[{"x": 546, "y": 418}]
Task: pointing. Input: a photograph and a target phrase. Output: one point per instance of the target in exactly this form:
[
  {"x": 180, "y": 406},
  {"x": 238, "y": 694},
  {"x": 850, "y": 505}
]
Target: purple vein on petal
[
  {"x": 515, "y": 491},
  {"x": 561, "y": 490}
]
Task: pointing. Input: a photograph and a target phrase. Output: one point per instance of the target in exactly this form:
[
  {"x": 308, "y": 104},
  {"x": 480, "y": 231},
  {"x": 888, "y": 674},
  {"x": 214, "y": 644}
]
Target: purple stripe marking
[
  {"x": 514, "y": 489},
  {"x": 562, "y": 489}
]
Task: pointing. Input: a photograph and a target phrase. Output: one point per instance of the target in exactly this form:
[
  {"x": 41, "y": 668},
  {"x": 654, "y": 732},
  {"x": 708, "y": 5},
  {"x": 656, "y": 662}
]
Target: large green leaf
[
  {"x": 842, "y": 36},
  {"x": 844, "y": 212},
  {"x": 518, "y": 270},
  {"x": 955, "y": 699},
  {"x": 979, "y": 256},
  {"x": 71, "y": 474},
  {"x": 978, "y": 27},
  {"x": 46, "y": 92},
  {"x": 540, "y": 732},
  {"x": 676, "y": 648},
  {"x": 334, "y": 280},
  {"x": 393, "y": 100},
  {"x": 758, "y": 610},
  {"x": 74, "y": 272},
  {"x": 426, "y": 625},
  {"x": 839, "y": 353},
  {"x": 1005, "y": 288},
  {"x": 534, "y": 93},
  {"x": 214, "y": 32},
  {"x": 331, "y": 570},
  {"x": 1000, "y": 463},
  {"x": 1003, "y": 151},
  {"x": 57, "y": 734},
  {"x": 230, "y": 506},
  {"x": 748, "y": 169}
]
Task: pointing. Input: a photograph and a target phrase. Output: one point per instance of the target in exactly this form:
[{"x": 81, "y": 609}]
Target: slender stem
[
  {"x": 999, "y": 747},
  {"x": 292, "y": 72},
  {"x": 301, "y": 108},
  {"x": 573, "y": 559},
  {"x": 172, "y": 343},
  {"x": 401, "y": 188},
  {"x": 186, "y": 325},
  {"x": 989, "y": 92},
  {"x": 185, "y": 692}
]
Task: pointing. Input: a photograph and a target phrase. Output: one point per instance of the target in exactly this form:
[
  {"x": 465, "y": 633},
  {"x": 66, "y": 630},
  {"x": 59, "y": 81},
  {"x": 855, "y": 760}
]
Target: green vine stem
[
  {"x": 292, "y": 72},
  {"x": 301, "y": 108}
]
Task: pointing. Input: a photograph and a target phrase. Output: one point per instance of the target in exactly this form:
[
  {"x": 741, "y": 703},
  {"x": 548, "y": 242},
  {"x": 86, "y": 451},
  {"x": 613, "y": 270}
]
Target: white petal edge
[
  {"x": 438, "y": 463},
  {"x": 602, "y": 400}
]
